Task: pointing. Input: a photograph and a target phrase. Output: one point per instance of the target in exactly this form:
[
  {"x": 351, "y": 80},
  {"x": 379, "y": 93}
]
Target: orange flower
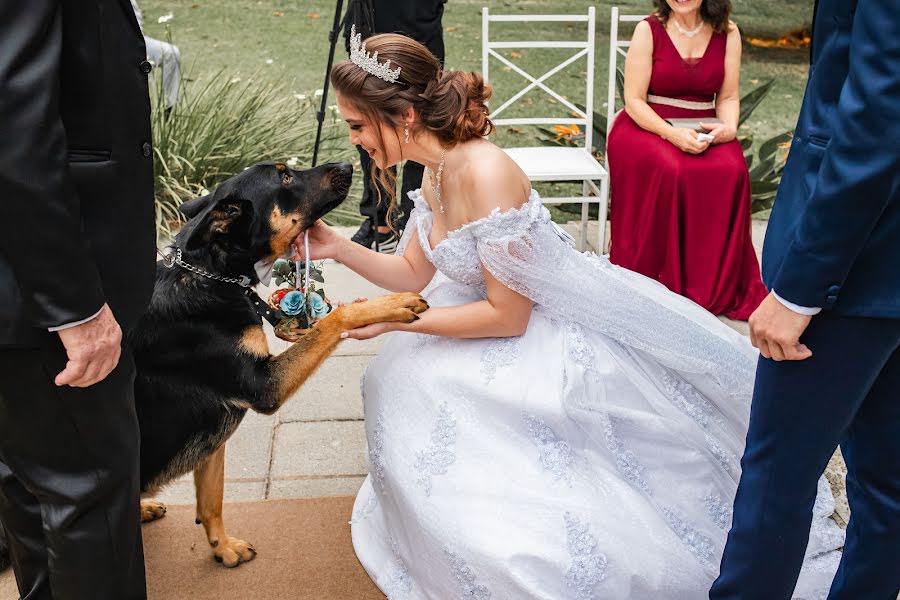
[{"x": 563, "y": 131}]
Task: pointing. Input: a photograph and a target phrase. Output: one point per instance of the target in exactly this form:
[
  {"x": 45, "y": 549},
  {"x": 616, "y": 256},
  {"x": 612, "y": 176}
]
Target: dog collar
[{"x": 175, "y": 259}]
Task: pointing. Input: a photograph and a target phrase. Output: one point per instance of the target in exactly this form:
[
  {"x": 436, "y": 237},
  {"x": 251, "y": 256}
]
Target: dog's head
[{"x": 256, "y": 214}]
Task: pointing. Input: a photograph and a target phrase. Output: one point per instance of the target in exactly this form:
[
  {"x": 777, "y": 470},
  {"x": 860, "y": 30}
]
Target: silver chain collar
[{"x": 175, "y": 259}]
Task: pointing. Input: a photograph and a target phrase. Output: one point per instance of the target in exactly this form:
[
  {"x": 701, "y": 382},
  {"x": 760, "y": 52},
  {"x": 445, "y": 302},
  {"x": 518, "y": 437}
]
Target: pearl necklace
[
  {"x": 688, "y": 34},
  {"x": 436, "y": 181}
]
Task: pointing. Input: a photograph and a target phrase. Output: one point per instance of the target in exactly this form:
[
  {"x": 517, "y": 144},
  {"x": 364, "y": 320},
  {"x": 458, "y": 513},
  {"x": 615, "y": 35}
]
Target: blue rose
[
  {"x": 293, "y": 303},
  {"x": 318, "y": 306}
]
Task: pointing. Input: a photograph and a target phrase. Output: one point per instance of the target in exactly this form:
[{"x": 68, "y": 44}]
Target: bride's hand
[
  {"x": 370, "y": 331},
  {"x": 324, "y": 242}
]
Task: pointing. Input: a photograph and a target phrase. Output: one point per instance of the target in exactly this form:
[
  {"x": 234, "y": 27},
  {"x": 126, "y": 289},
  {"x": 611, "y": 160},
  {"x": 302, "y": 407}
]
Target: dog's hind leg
[
  {"x": 209, "y": 479},
  {"x": 151, "y": 510}
]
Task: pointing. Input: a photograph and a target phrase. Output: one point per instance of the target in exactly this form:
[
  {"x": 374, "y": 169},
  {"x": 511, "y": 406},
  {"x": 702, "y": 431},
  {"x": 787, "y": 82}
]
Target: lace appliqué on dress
[
  {"x": 438, "y": 456},
  {"x": 719, "y": 510},
  {"x": 501, "y": 352},
  {"x": 588, "y": 563},
  {"x": 469, "y": 589},
  {"x": 376, "y": 450},
  {"x": 363, "y": 511},
  {"x": 556, "y": 455},
  {"x": 626, "y": 462},
  {"x": 399, "y": 585},
  {"x": 699, "y": 545}
]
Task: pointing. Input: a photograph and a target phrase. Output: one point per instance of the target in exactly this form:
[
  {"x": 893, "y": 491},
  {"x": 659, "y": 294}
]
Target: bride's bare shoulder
[{"x": 492, "y": 179}]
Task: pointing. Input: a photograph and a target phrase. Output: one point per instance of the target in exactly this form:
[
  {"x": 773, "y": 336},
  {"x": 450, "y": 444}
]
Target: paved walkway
[{"x": 316, "y": 445}]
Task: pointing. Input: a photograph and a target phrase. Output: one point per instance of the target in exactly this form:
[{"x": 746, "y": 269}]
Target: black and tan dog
[{"x": 200, "y": 350}]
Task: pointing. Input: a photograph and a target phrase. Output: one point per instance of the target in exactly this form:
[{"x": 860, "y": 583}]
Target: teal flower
[
  {"x": 293, "y": 303},
  {"x": 318, "y": 306}
]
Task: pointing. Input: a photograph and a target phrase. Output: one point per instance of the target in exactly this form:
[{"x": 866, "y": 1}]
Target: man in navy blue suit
[{"x": 829, "y": 332}]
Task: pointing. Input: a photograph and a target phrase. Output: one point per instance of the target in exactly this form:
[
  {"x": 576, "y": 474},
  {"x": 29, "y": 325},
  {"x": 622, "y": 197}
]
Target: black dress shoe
[{"x": 365, "y": 235}]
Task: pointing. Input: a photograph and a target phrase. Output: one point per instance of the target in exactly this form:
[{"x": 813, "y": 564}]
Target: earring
[{"x": 406, "y": 133}]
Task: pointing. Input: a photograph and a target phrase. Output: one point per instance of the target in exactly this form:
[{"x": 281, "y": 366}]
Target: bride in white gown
[{"x": 554, "y": 426}]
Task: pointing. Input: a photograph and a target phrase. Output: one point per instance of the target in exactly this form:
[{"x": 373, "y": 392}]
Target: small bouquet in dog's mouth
[{"x": 302, "y": 302}]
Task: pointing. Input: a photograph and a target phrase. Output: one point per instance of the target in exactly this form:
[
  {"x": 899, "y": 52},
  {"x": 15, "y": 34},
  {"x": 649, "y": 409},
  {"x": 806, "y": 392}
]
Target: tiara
[{"x": 360, "y": 57}]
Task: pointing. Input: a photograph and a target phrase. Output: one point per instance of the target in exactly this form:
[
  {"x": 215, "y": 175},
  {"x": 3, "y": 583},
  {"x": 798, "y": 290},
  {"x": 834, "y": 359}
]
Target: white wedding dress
[{"x": 596, "y": 456}]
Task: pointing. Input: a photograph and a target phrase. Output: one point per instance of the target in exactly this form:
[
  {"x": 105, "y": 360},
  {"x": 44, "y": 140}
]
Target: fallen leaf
[
  {"x": 515, "y": 55},
  {"x": 451, "y": 29},
  {"x": 277, "y": 13},
  {"x": 754, "y": 81},
  {"x": 516, "y": 130},
  {"x": 195, "y": 6},
  {"x": 313, "y": 16}
]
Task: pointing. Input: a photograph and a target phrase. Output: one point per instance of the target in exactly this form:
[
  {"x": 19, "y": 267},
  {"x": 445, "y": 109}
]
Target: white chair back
[
  {"x": 617, "y": 48},
  {"x": 585, "y": 48}
]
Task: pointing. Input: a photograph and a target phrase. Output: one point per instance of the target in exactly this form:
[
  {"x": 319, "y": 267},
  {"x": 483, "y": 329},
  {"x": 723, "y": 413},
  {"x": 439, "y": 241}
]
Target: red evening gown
[{"x": 679, "y": 218}]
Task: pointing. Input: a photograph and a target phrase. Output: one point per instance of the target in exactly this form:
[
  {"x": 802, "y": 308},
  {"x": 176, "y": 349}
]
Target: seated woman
[{"x": 681, "y": 205}]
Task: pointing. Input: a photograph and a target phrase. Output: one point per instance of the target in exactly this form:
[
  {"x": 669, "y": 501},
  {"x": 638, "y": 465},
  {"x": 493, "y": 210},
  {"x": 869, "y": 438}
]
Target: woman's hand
[
  {"x": 686, "y": 140},
  {"x": 324, "y": 242},
  {"x": 370, "y": 331},
  {"x": 722, "y": 132}
]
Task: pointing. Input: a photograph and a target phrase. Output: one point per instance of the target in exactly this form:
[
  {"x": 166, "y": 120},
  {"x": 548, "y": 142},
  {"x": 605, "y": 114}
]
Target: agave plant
[{"x": 224, "y": 124}]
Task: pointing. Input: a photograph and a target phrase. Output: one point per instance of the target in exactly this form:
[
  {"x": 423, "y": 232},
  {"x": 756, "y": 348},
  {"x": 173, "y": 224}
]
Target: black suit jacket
[{"x": 76, "y": 167}]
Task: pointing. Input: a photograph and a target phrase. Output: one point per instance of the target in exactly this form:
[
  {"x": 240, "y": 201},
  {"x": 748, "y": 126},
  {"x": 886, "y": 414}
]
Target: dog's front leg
[
  {"x": 209, "y": 481},
  {"x": 290, "y": 369}
]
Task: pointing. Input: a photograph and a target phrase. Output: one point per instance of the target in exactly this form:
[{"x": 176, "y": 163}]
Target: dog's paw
[
  {"x": 231, "y": 552},
  {"x": 151, "y": 510},
  {"x": 402, "y": 308}
]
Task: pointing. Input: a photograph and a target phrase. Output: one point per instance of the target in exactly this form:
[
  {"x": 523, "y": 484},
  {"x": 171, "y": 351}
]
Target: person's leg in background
[
  {"x": 70, "y": 479},
  {"x": 412, "y": 180},
  {"x": 167, "y": 58}
]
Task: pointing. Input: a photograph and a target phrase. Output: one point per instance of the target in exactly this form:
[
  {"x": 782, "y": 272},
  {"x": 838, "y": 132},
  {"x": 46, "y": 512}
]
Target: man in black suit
[{"x": 76, "y": 270}]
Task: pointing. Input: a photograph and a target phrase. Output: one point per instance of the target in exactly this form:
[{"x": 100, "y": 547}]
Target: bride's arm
[
  {"x": 410, "y": 272},
  {"x": 504, "y": 313}
]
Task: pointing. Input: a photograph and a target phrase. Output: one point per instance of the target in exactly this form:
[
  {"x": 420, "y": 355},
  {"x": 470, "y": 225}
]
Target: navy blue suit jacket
[{"x": 833, "y": 239}]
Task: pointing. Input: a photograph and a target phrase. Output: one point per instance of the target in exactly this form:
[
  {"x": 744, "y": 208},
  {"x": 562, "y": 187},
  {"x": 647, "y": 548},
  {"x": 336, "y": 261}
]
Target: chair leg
[
  {"x": 604, "y": 209},
  {"x": 585, "y": 213}
]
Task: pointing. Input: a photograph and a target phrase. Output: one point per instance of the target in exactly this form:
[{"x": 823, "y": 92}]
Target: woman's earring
[{"x": 406, "y": 133}]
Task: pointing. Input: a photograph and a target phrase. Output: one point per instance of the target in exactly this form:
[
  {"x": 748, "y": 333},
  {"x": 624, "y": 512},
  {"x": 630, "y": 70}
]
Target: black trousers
[
  {"x": 376, "y": 211},
  {"x": 69, "y": 479}
]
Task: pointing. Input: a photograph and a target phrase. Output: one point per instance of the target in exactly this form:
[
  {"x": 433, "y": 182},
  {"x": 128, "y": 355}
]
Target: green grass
[{"x": 241, "y": 38}]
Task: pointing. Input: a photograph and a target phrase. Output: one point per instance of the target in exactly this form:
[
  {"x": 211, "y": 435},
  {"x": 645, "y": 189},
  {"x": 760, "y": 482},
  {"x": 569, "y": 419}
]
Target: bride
[{"x": 554, "y": 426}]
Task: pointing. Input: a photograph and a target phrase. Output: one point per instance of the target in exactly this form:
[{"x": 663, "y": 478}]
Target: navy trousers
[{"x": 847, "y": 394}]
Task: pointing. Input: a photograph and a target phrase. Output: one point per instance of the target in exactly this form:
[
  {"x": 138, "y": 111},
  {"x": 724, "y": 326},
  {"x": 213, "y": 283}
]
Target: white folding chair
[
  {"x": 555, "y": 163},
  {"x": 617, "y": 47}
]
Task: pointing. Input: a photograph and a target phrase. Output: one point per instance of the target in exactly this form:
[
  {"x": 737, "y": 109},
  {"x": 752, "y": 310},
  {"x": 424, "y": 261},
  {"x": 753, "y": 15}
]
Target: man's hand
[
  {"x": 93, "y": 349},
  {"x": 775, "y": 330}
]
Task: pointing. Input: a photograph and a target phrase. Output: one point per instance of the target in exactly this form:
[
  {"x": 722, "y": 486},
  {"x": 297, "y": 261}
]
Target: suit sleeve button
[
  {"x": 146, "y": 149},
  {"x": 146, "y": 67}
]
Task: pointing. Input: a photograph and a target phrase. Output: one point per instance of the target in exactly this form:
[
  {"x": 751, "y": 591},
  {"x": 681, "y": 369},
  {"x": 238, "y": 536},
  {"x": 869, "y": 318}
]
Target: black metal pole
[{"x": 332, "y": 38}]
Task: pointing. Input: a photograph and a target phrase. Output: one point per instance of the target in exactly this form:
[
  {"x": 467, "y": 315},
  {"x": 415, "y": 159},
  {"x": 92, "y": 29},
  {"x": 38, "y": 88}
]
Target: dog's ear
[
  {"x": 218, "y": 218},
  {"x": 192, "y": 208}
]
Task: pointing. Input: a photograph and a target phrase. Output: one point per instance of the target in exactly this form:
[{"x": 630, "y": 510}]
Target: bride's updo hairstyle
[{"x": 449, "y": 104}]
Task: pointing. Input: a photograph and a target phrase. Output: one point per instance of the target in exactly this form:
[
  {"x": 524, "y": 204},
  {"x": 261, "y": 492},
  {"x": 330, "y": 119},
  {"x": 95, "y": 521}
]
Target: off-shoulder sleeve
[
  {"x": 420, "y": 221},
  {"x": 524, "y": 250}
]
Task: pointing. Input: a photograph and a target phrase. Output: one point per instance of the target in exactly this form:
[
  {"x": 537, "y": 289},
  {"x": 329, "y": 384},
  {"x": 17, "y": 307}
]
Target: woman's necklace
[
  {"x": 436, "y": 181},
  {"x": 688, "y": 34}
]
